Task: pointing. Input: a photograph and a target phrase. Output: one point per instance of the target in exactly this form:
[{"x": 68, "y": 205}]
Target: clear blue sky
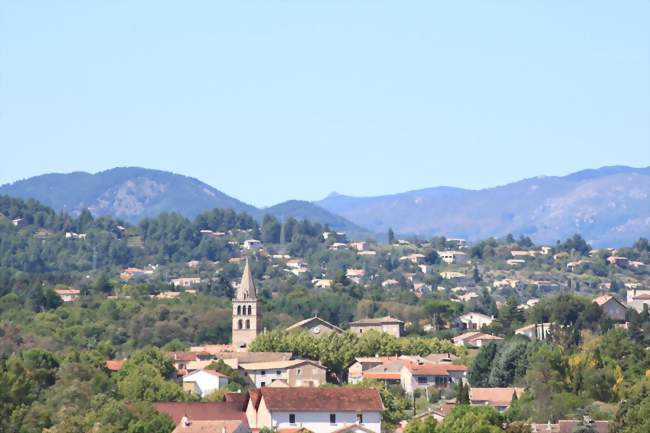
[{"x": 271, "y": 100}]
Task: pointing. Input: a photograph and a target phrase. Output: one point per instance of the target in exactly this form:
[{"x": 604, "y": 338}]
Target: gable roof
[
  {"x": 270, "y": 365},
  {"x": 322, "y": 399},
  {"x": 377, "y": 321},
  {"x": 496, "y": 396},
  {"x": 602, "y": 300},
  {"x": 427, "y": 369},
  {"x": 208, "y": 426},
  {"x": 200, "y": 411},
  {"x": 205, "y": 370},
  {"x": 115, "y": 364},
  {"x": 310, "y": 319}
]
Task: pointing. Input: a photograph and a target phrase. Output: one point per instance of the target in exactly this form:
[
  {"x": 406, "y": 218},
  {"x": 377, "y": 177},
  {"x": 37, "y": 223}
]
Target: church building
[{"x": 246, "y": 312}]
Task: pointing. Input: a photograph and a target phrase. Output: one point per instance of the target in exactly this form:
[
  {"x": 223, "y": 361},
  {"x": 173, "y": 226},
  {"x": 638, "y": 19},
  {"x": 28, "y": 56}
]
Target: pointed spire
[{"x": 246, "y": 289}]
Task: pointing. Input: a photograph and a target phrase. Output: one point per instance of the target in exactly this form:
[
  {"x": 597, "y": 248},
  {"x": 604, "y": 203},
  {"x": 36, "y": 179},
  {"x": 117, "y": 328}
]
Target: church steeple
[
  {"x": 246, "y": 311},
  {"x": 246, "y": 289}
]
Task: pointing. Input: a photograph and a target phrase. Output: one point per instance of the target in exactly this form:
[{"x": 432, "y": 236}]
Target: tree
[
  {"x": 472, "y": 419},
  {"x": 479, "y": 371},
  {"x": 391, "y": 236},
  {"x": 462, "y": 395},
  {"x": 271, "y": 229},
  {"x": 422, "y": 425}
]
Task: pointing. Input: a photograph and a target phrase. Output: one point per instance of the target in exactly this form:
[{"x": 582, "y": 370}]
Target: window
[
  {"x": 249, "y": 310},
  {"x": 422, "y": 379},
  {"x": 292, "y": 418},
  {"x": 263, "y": 372},
  {"x": 359, "y": 418},
  {"x": 332, "y": 418},
  {"x": 248, "y": 324},
  {"x": 239, "y": 324},
  {"x": 278, "y": 372},
  {"x": 262, "y": 384},
  {"x": 238, "y": 310},
  {"x": 299, "y": 371}
]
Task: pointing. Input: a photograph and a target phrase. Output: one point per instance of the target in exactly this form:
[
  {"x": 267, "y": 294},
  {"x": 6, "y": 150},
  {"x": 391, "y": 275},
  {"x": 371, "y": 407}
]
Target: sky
[{"x": 276, "y": 100}]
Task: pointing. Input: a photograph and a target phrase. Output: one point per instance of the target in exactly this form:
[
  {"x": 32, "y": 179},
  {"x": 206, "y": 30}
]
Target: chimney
[
  {"x": 185, "y": 421},
  {"x": 223, "y": 429}
]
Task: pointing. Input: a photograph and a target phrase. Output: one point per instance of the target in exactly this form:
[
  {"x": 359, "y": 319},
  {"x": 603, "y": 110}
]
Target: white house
[
  {"x": 453, "y": 257},
  {"x": 472, "y": 321},
  {"x": 204, "y": 382},
  {"x": 320, "y": 410},
  {"x": 536, "y": 331},
  {"x": 475, "y": 338},
  {"x": 252, "y": 244},
  {"x": 638, "y": 298}
]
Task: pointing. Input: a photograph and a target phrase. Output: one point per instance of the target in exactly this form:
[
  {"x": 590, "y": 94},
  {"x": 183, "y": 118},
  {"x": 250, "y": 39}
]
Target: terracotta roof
[
  {"x": 495, "y": 396},
  {"x": 473, "y": 336},
  {"x": 185, "y": 356},
  {"x": 322, "y": 399},
  {"x": 376, "y": 321},
  {"x": 378, "y": 359},
  {"x": 115, "y": 364},
  {"x": 602, "y": 300},
  {"x": 434, "y": 369},
  {"x": 353, "y": 427},
  {"x": 256, "y": 397},
  {"x": 210, "y": 426},
  {"x": 200, "y": 411},
  {"x": 67, "y": 291},
  {"x": 237, "y": 399},
  {"x": 380, "y": 375}
]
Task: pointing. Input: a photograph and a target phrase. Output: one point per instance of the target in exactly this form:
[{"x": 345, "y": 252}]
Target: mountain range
[{"x": 609, "y": 206}]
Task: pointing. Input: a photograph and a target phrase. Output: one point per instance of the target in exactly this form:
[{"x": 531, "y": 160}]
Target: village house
[
  {"x": 475, "y": 339},
  {"x": 193, "y": 264},
  {"x": 517, "y": 263},
  {"x": 318, "y": 410},
  {"x": 365, "y": 363},
  {"x": 637, "y": 299},
  {"x": 73, "y": 235},
  {"x": 472, "y": 321},
  {"x": 295, "y": 372},
  {"x": 523, "y": 253},
  {"x": 546, "y": 286},
  {"x": 355, "y": 273},
  {"x": 68, "y": 295},
  {"x": 135, "y": 273},
  {"x": 451, "y": 275},
  {"x": 416, "y": 375},
  {"x": 180, "y": 360},
  {"x": 198, "y": 413},
  {"x": 338, "y": 246},
  {"x": 204, "y": 382},
  {"x": 426, "y": 269},
  {"x": 188, "y": 425},
  {"x": 315, "y": 326},
  {"x": 619, "y": 261},
  {"x": 367, "y": 253},
  {"x": 252, "y": 244},
  {"x": 536, "y": 331},
  {"x": 322, "y": 283},
  {"x": 498, "y": 398},
  {"x": 413, "y": 258},
  {"x": 359, "y": 245},
  {"x": 569, "y": 426},
  {"x": 612, "y": 307},
  {"x": 391, "y": 282},
  {"x": 453, "y": 257},
  {"x": 506, "y": 282},
  {"x": 468, "y": 297},
  {"x": 185, "y": 281},
  {"x": 388, "y": 324}
]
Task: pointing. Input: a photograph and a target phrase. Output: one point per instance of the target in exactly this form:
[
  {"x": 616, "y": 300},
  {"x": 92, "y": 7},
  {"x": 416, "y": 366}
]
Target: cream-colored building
[
  {"x": 295, "y": 372},
  {"x": 315, "y": 326},
  {"x": 388, "y": 324},
  {"x": 612, "y": 307}
]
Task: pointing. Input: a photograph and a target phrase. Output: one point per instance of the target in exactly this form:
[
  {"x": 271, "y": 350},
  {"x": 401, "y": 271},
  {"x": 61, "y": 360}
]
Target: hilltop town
[{"x": 223, "y": 324}]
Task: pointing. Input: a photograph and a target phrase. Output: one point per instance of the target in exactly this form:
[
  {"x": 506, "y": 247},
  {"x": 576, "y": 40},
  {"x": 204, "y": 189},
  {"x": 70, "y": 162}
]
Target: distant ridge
[
  {"x": 134, "y": 193},
  {"x": 610, "y": 206}
]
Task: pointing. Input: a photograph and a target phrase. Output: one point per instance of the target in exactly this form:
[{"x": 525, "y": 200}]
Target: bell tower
[{"x": 246, "y": 312}]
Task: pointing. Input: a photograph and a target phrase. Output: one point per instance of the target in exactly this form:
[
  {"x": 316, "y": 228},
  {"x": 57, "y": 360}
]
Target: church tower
[{"x": 246, "y": 312}]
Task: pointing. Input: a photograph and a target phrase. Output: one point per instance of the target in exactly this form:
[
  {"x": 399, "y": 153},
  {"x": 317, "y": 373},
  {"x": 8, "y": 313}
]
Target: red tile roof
[
  {"x": 200, "y": 411},
  {"x": 434, "y": 369},
  {"x": 115, "y": 364},
  {"x": 381, "y": 375},
  {"x": 322, "y": 399}
]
